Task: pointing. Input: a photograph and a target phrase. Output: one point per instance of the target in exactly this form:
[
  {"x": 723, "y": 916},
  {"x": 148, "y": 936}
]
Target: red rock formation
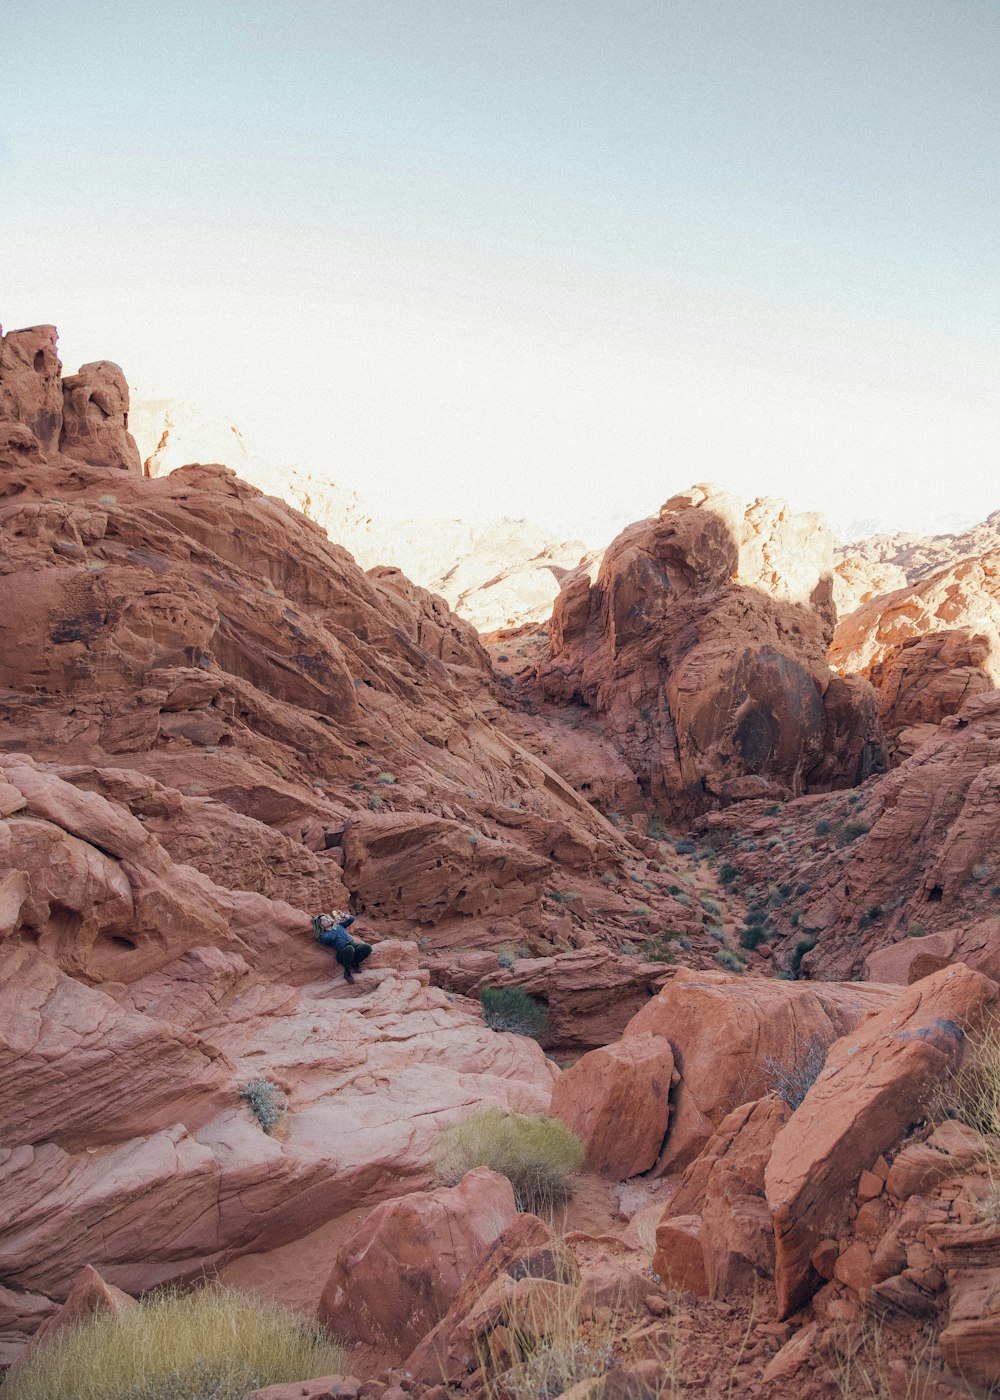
[
  {"x": 399, "y": 1272},
  {"x": 927, "y": 647},
  {"x": 616, "y": 1100},
  {"x": 875, "y": 1082},
  {"x": 95, "y": 418},
  {"x": 30, "y": 388},
  {"x": 701, "y": 642}
]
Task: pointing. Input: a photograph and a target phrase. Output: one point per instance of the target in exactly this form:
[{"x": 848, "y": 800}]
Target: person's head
[{"x": 325, "y": 921}]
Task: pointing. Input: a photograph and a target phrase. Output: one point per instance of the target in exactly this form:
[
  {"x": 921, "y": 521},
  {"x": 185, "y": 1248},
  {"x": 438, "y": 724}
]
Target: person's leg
[
  {"x": 345, "y": 956},
  {"x": 361, "y": 951}
]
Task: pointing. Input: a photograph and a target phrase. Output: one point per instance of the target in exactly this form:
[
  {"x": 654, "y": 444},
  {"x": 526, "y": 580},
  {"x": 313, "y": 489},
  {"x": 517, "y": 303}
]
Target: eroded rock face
[
  {"x": 30, "y": 385},
  {"x": 95, "y": 418},
  {"x": 398, "y": 1274},
  {"x": 701, "y": 641},
  {"x": 875, "y": 1082}
]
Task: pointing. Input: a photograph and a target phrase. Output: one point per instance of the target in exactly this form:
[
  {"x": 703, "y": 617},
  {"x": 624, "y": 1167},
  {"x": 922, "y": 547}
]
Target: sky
[{"x": 546, "y": 258}]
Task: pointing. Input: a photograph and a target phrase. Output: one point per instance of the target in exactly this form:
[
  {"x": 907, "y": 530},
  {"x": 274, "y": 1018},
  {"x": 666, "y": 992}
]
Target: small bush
[
  {"x": 916, "y": 931},
  {"x": 710, "y": 905},
  {"x": 727, "y": 873},
  {"x": 512, "y": 1009},
  {"x": 756, "y": 915},
  {"x": 980, "y": 871},
  {"x": 792, "y": 1081},
  {"x": 267, "y": 1102},
  {"x": 386, "y": 779},
  {"x": 538, "y": 1155},
  {"x": 726, "y": 958},
  {"x": 505, "y": 959},
  {"x": 805, "y": 945},
  {"x": 823, "y": 828},
  {"x": 212, "y": 1344},
  {"x": 753, "y": 935},
  {"x": 684, "y": 848}
]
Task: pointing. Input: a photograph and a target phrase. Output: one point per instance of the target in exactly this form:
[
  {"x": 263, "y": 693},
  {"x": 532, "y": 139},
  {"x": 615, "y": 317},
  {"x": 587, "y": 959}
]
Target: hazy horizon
[{"x": 554, "y": 261}]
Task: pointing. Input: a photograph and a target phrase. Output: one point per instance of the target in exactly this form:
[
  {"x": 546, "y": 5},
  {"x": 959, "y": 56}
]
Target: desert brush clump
[
  {"x": 512, "y": 1009},
  {"x": 973, "y": 1096},
  {"x": 267, "y": 1102},
  {"x": 210, "y": 1344},
  {"x": 538, "y": 1155},
  {"x": 792, "y": 1079}
]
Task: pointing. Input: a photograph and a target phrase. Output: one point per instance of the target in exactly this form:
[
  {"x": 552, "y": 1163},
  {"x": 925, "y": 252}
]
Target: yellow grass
[
  {"x": 212, "y": 1344},
  {"x": 538, "y": 1155}
]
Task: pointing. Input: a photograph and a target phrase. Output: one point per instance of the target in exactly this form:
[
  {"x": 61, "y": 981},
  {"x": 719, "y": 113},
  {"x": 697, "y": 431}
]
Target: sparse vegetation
[
  {"x": 538, "y": 1155},
  {"x": 726, "y": 958},
  {"x": 727, "y": 873},
  {"x": 793, "y": 1079},
  {"x": 512, "y": 1009},
  {"x": 684, "y": 847},
  {"x": 211, "y": 1344},
  {"x": 267, "y": 1102}
]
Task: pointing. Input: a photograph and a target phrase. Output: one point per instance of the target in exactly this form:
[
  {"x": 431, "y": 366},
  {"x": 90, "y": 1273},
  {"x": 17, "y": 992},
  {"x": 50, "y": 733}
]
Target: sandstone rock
[
  {"x": 930, "y": 645},
  {"x": 765, "y": 1027},
  {"x": 970, "y": 1343},
  {"x": 724, "y": 1187},
  {"x": 680, "y": 1255},
  {"x": 950, "y": 1150},
  {"x": 701, "y": 642},
  {"x": 397, "y": 1275},
  {"x": 89, "y": 1297},
  {"x": 30, "y": 388},
  {"x": 322, "y": 1388},
  {"x": 616, "y": 1100},
  {"x": 95, "y": 418},
  {"x": 875, "y": 1082},
  {"x": 525, "y": 1253},
  {"x": 977, "y": 945}
]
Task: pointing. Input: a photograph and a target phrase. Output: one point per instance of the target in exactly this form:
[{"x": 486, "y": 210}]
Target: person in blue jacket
[{"x": 331, "y": 931}]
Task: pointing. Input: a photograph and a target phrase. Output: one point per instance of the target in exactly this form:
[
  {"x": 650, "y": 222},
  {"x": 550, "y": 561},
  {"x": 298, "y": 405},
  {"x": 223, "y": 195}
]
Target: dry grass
[
  {"x": 538, "y": 1155},
  {"x": 871, "y": 1363},
  {"x": 212, "y": 1344},
  {"x": 973, "y": 1095}
]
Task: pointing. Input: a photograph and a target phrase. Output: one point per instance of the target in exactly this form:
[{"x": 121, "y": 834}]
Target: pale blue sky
[{"x": 554, "y": 259}]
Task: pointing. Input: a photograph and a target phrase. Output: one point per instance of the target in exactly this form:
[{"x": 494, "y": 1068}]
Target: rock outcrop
[
  {"x": 95, "y": 418},
  {"x": 701, "y": 641}
]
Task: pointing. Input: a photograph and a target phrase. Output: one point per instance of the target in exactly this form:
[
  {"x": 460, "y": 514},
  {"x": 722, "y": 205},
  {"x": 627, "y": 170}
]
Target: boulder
[
  {"x": 89, "y": 1297},
  {"x": 398, "y": 1273},
  {"x": 970, "y": 1343},
  {"x": 723, "y": 1189},
  {"x": 876, "y": 1081},
  {"x": 616, "y": 1100},
  {"x": 734, "y": 1039}
]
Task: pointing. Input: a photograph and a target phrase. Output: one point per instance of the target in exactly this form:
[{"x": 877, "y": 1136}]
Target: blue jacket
[{"x": 338, "y": 937}]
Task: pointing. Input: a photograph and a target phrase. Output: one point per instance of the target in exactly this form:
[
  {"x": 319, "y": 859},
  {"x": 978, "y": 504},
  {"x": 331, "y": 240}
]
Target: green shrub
[
  {"x": 916, "y": 931},
  {"x": 727, "y": 873},
  {"x": 773, "y": 809},
  {"x": 756, "y": 915},
  {"x": 805, "y": 945},
  {"x": 710, "y": 905},
  {"x": 538, "y": 1155},
  {"x": 823, "y": 828},
  {"x": 211, "y": 1344},
  {"x": 753, "y": 935},
  {"x": 267, "y": 1102},
  {"x": 512, "y": 1009},
  {"x": 684, "y": 848}
]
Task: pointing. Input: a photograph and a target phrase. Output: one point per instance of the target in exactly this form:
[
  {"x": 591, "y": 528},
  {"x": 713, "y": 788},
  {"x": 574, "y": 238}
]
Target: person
[{"x": 331, "y": 931}]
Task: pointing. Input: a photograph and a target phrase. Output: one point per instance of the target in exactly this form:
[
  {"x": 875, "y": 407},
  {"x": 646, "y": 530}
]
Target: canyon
[{"x": 718, "y": 794}]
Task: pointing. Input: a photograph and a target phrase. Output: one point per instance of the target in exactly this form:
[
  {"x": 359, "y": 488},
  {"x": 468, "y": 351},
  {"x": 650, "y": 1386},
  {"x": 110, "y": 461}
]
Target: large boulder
[
  {"x": 616, "y": 1100},
  {"x": 735, "y": 1038},
  {"x": 876, "y": 1081},
  {"x": 398, "y": 1273}
]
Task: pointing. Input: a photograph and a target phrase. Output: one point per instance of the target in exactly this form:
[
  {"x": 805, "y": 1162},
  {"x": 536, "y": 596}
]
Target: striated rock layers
[{"x": 701, "y": 641}]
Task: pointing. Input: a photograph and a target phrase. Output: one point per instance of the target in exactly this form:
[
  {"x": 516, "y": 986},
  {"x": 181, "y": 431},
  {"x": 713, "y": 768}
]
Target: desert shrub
[
  {"x": 753, "y": 935},
  {"x": 803, "y": 888},
  {"x": 773, "y": 809},
  {"x": 804, "y": 945},
  {"x": 980, "y": 871},
  {"x": 823, "y": 828},
  {"x": 756, "y": 915},
  {"x": 505, "y": 959},
  {"x": 846, "y": 832},
  {"x": 726, "y": 958},
  {"x": 512, "y": 1009},
  {"x": 375, "y": 803},
  {"x": 538, "y": 1155},
  {"x": 916, "y": 931},
  {"x": 791, "y": 1079},
  {"x": 873, "y": 912},
  {"x": 211, "y": 1344},
  {"x": 267, "y": 1102},
  {"x": 684, "y": 848},
  {"x": 727, "y": 873},
  {"x": 710, "y": 905}
]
